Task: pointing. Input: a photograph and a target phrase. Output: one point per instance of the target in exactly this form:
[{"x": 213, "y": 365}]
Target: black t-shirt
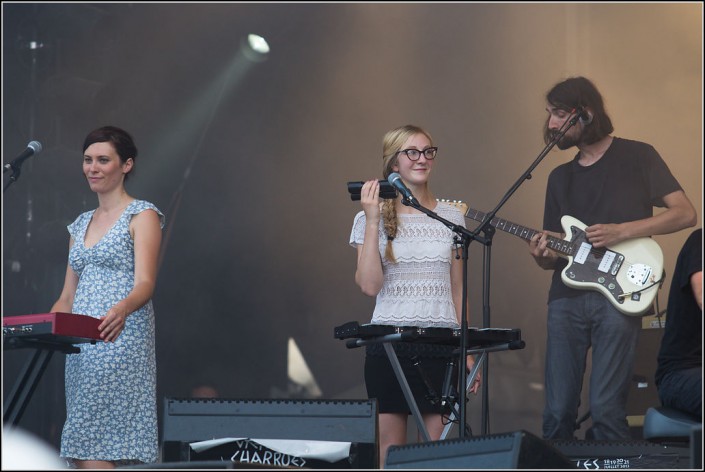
[
  {"x": 682, "y": 343},
  {"x": 624, "y": 185}
]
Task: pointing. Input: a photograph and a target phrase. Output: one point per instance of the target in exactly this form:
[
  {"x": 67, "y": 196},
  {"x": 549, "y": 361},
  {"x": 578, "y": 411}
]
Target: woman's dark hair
[
  {"x": 575, "y": 93},
  {"x": 120, "y": 139}
]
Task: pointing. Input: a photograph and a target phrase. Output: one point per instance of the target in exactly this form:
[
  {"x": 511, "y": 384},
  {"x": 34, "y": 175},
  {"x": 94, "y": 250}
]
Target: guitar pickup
[
  {"x": 617, "y": 265},
  {"x": 606, "y": 261}
]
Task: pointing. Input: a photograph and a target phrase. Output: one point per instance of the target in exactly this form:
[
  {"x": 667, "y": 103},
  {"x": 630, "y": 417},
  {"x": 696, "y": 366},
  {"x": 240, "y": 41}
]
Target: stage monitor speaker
[
  {"x": 624, "y": 454},
  {"x": 201, "y": 465},
  {"x": 188, "y": 421},
  {"x": 516, "y": 450}
]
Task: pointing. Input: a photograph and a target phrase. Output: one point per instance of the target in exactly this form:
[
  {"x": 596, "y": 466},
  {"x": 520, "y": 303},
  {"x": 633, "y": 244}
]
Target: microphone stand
[
  {"x": 14, "y": 176},
  {"x": 489, "y": 230},
  {"x": 16, "y": 167},
  {"x": 464, "y": 238}
]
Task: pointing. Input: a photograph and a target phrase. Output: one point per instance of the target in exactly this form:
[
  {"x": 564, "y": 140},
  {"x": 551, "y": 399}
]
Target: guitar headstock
[{"x": 459, "y": 204}]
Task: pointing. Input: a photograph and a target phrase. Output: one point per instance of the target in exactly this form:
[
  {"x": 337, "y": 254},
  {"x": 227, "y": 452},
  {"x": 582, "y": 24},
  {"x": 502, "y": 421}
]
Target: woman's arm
[
  {"x": 64, "y": 303},
  {"x": 147, "y": 235},
  {"x": 369, "y": 275}
]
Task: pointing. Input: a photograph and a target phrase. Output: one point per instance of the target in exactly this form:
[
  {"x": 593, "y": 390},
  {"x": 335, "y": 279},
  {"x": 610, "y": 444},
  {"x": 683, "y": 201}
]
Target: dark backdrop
[{"x": 249, "y": 160}]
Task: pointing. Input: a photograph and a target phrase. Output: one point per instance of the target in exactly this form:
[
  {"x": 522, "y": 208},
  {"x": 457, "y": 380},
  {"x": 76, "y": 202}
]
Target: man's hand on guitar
[
  {"x": 604, "y": 235},
  {"x": 627, "y": 265},
  {"x": 538, "y": 247}
]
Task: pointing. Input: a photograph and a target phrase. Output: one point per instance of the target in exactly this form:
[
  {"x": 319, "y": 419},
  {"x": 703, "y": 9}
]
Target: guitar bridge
[{"x": 639, "y": 274}]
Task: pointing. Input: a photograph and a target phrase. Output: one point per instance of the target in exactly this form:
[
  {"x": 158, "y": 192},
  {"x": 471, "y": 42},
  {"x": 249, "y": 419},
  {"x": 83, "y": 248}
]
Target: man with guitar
[{"x": 611, "y": 185}]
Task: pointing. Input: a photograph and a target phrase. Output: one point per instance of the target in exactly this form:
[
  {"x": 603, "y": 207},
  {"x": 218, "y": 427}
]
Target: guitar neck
[{"x": 561, "y": 246}]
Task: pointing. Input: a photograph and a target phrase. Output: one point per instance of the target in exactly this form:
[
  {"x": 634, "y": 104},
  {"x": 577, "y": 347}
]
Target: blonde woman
[{"x": 407, "y": 261}]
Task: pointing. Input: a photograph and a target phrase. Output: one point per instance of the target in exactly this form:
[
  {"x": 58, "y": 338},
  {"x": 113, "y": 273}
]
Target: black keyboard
[{"x": 475, "y": 336}]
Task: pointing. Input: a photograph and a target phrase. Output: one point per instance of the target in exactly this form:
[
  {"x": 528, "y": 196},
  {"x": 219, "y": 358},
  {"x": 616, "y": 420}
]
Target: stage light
[
  {"x": 255, "y": 48},
  {"x": 258, "y": 43}
]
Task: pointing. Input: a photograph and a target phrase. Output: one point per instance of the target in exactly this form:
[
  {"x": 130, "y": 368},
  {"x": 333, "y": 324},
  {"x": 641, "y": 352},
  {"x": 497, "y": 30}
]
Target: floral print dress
[{"x": 111, "y": 408}]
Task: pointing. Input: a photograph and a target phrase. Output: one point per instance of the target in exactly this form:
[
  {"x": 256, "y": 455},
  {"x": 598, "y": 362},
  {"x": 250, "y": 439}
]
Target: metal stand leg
[
  {"x": 470, "y": 380},
  {"x": 31, "y": 374},
  {"x": 25, "y": 386},
  {"x": 410, "y": 400}
]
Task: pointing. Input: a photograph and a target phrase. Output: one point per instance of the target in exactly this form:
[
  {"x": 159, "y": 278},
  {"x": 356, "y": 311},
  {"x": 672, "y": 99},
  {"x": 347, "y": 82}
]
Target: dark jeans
[
  {"x": 575, "y": 325},
  {"x": 682, "y": 390}
]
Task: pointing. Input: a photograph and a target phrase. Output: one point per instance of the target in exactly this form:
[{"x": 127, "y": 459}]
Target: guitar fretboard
[{"x": 558, "y": 245}]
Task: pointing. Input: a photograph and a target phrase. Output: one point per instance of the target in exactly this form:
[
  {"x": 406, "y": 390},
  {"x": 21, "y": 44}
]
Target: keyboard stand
[
  {"x": 32, "y": 372},
  {"x": 386, "y": 341},
  {"x": 471, "y": 379}
]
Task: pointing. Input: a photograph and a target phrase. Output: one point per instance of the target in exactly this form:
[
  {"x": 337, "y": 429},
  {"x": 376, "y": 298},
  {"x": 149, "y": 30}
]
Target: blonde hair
[{"x": 391, "y": 145}]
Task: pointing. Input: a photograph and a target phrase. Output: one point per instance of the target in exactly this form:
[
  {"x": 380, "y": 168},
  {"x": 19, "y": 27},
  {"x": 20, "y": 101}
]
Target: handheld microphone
[
  {"x": 34, "y": 147},
  {"x": 395, "y": 179},
  {"x": 385, "y": 190}
]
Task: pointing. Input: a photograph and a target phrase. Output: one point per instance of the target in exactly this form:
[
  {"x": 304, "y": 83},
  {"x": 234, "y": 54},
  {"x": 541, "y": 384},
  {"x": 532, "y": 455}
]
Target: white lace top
[{"x": 417, "y": 289}]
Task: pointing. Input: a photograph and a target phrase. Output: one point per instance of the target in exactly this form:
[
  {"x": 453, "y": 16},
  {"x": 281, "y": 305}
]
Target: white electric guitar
[{"x": 629, "y": 274}]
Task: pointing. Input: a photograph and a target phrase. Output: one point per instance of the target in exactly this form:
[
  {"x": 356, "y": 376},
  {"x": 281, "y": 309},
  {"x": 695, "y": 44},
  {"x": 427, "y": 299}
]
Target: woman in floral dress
[{"x": 111, "y": 416}]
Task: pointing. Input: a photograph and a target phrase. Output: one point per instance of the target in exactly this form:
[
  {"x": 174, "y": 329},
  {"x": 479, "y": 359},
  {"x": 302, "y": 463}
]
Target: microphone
[
  {"x": 34, "y": 147},
  {"x": 432, "y": 396},
  {"x": 447, "y": 395},
  {"x": 584, "y": 116},
  {"x": 395, "y": 179}
]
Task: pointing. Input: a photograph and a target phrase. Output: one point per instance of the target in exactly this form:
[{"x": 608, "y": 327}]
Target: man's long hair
[{"x": 573, "y": 94}]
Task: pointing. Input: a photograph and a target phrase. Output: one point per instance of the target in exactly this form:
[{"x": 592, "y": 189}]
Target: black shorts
[{"x": 424, "y": 366}]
